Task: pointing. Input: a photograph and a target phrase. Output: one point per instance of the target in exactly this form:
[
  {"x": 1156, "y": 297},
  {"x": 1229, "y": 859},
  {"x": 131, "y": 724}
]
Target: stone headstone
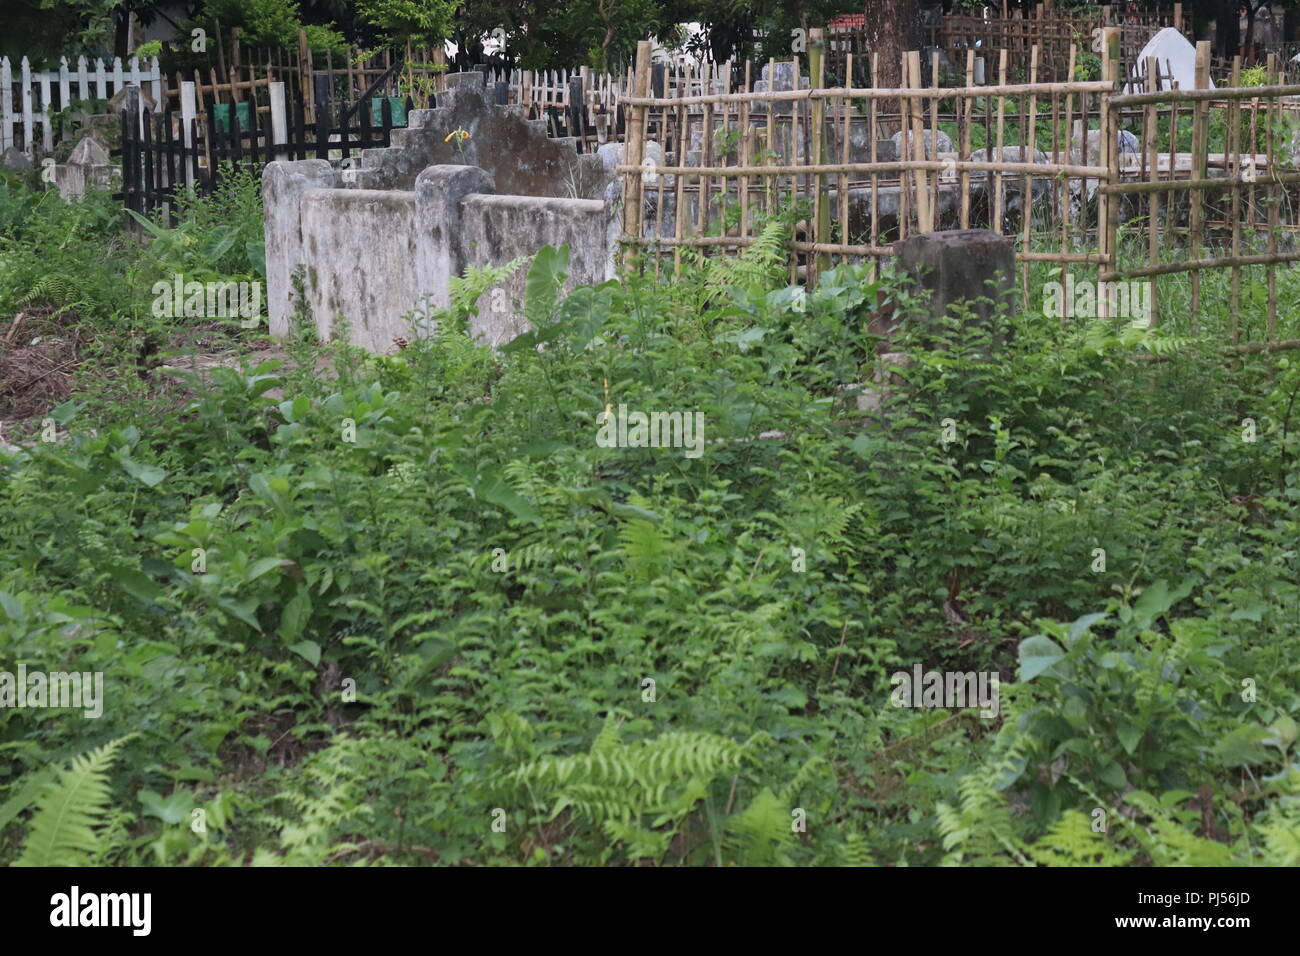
[
  {"x": 781, "y": 80},
  {"x": 611, "y": 155},
  {"x": 88, "y": 152},
  {"x": 958, "y": 265},
  {"x": 474, "y": 78},
  {"x": 1012, "y": 183},
  {"x": 15, "y": 160},
  {"x": 903, "y": 143},
  {"x": 1174, "y": 54}
]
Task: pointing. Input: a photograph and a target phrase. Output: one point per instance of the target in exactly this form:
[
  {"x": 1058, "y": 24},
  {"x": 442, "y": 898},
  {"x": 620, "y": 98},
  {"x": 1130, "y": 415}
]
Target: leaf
[
  {"x": 623, "y": 510},
  {"x": 308, "y": 651},
  {"x": 1037, "y": 654},
  {"x": 136, "y": 584},
  {"x": 489, "y": 486},
  {"x": 546, "y": 276},
  {"x": 150, "y": 475},
  {"x": 32, "y": 785},
  {"x": 241, "y": 610},
  {"x": 260, "y": 567},
  {"x": 62, "y": 831},
  {"x": 1080, "y": 626},
  {"x": 296, "y": 614},
  {"x": 1113, "y": 774},
  {"x": 256, "y": 253},
  {"x": 172, "y": 809},
  {"x": 1129, "y": 736},
  {"x": 1243, "y": 745},
  {"x": 155, "y": 230}
]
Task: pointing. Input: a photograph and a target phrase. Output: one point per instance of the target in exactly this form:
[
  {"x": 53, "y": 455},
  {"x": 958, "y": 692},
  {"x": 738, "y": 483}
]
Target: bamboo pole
[
  {"x": 907, "y": 165},
  {"x": 1027, "y": 194},
  {"x": 632, "y": 211},
  {"x": 1200, "y": 147},
  {"x": 858, "y": 93},
  {"x": 873, "y": 134},
  {"x": 1233, "y": 146},
  {"x": 1196, "y": 265},
  {"x": 1275, "y": 198},
  {"x": 821, "y": 210},
  {"x": 1107, "y": 229},
  {"x": 1151, "y": 157},
  {"x": 847, "y": 107},
  {"x": 966, "y": 112},
  {"x": 679, "y": 210},
  {"x": 1000, "y": 152}
]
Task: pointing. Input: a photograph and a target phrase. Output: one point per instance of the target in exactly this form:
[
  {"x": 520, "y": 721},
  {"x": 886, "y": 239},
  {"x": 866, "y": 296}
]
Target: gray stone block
[{"x": 962, "y": 265}]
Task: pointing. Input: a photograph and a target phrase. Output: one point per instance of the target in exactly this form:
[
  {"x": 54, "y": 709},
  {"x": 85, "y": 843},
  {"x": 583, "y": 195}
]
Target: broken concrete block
[{"x": 962, "y": 265}]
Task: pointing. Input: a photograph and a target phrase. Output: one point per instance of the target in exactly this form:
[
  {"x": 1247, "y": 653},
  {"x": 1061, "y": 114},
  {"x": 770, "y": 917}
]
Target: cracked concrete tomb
[{"x": 378, "y": 244}]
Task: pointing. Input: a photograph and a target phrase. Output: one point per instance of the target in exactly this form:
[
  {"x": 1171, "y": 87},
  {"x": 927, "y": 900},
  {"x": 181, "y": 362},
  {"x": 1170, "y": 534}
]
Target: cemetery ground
[{"x": 406, "y": 609}]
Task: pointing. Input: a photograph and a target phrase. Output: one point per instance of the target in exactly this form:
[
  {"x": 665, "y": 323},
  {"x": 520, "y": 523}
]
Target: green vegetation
[{"x": 404, "y": 610}]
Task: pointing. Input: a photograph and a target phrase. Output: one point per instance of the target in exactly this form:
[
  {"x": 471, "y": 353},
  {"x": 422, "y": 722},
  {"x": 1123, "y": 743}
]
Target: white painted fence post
[
  {"x": 27, "y": 107},
  {"x": 65, "y": 84},
  {"x": 83, "y": 80},
  {"x": 6, "y": 104},
  {"x": 47, "y": 134},
  {"x": 101, "y": 80},
  {"x": 188, "y": 111},
  {"x": 279, "y": 120}
]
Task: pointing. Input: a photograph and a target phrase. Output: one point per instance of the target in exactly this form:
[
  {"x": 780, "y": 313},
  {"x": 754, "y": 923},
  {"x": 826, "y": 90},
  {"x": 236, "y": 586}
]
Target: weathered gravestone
[{"x": 973, "y": 266}]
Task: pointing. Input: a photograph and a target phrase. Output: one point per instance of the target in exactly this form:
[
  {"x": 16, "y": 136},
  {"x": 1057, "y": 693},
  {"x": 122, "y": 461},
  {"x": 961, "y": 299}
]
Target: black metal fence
[{"x": 159, "y": 156}]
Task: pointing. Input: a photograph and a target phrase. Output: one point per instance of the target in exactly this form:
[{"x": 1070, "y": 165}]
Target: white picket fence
[{"x": 30, "y": 100}]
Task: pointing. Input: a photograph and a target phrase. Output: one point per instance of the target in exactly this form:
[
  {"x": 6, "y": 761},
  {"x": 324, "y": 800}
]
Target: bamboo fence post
[
  {"x": 632, "y": 212},
  {"x": 1275, "y": 197},
  {"x": 906, "y": 143},
  {"x": 924, "y": 212},
  {"x": 1026, "y": 193},
  {"x": 967, "y": 114},
  {"x": 934, "y": 132},
  {"x": 1067, "y": 134},
  {"x": 1107, "y": 229},
  {"x": 1233, "y": 168},
  {"x": 1151, "y": 158},
  {"x": 846, "y": 105},
  {"x": 770, "y": 183},
  {"x": 746, "y": 154},
  {"x": 1200, "y": 156},
  {"x": 874, "y": 235},
  {"x": 821, "y": 210},
  {"x": 1001, "y": 155},
  {"x": 679, "y": 210}
]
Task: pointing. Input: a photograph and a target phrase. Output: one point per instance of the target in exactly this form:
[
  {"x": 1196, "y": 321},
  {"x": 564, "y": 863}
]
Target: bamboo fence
[{"x": 1208, "y": 186}]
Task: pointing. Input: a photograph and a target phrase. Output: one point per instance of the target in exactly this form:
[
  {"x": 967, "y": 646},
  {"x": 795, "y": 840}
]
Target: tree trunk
[{"x": 893, "y": 28}]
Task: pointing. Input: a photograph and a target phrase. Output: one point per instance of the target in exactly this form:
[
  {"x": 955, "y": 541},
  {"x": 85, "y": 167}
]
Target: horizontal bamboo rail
[
  {"x": 1193, "y": 96},
  {"x": 876, "y": 93},
  {"x": 1042, "y": 170},
  {"x": 1165, "y": 185},
  {"x": 1191, "y": 265}
]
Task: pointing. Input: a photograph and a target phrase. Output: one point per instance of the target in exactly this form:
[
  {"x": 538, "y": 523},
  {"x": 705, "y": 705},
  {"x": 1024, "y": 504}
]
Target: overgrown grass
[{"x": 410, "y": 611}]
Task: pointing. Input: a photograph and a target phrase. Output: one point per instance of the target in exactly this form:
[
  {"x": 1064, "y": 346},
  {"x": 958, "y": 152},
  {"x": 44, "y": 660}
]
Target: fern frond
[
  {"x": 53, "y": 289},
  {"x": 62, "y": 831}
]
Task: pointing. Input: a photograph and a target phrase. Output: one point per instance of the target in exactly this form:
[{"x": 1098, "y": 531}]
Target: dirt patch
[{"x": 40, "y": 350}]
